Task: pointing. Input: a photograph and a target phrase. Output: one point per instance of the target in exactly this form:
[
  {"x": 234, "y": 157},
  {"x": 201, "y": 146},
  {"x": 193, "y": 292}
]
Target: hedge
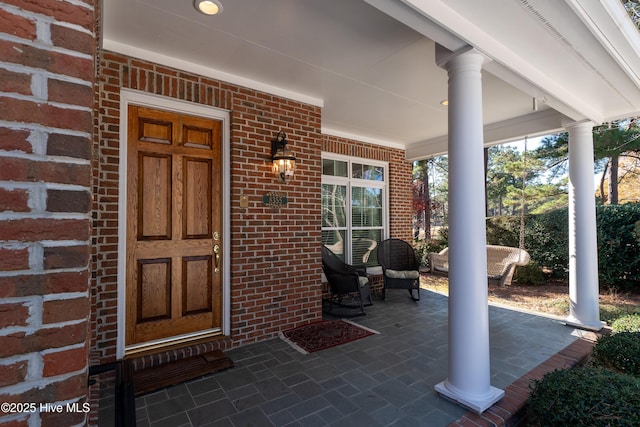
[
  {"x": 547, "y": 237},
  {"x": 605, "y": 392},
  {"x": 585, "y": 396}
]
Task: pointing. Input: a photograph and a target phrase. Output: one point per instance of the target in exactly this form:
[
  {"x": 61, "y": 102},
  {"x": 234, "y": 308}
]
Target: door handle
[{"x": 216, "y": 252}]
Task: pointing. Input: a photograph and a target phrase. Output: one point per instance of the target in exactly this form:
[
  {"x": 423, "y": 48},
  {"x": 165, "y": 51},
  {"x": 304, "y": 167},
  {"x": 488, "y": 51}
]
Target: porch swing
[{"x": 501, "y": 260}]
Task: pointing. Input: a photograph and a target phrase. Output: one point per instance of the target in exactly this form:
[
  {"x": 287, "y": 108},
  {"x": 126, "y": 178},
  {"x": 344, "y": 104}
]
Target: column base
[
  {"x": 590, "y": 326},
  {"x": 474, "y": 403}
]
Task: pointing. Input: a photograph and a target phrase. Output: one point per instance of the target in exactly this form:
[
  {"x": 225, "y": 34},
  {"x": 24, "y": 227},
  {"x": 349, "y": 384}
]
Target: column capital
[
  {"x": 444, "y": 56},
  {"x": 569, "y": 124}
]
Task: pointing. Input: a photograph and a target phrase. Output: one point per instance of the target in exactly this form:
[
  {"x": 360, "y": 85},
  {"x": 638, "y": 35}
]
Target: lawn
[{"x": 552, "y": 298}]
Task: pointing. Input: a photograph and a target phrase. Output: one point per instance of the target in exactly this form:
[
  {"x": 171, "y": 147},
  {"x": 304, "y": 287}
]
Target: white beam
[{"x": 539, "y": 123}]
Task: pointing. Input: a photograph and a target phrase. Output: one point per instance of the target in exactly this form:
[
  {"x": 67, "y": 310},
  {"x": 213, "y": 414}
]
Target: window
[{"x": 354, "y": 207}]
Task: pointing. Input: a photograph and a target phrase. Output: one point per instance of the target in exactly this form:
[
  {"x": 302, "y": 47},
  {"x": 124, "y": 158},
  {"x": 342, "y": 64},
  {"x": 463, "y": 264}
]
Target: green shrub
[
  {"x": 547, "y": 241},
  {"x": 585, "y": 397},
  {"x": 618, "y": 246},
  {"x": 546, "y": 238},
  {"x": 619, "y": 352},
  {"x": 443, "y": 236},
  {"x": 530, "y": 274},
  {"x": 636, "y": 231},
  {"x": 424, "y": 247},
  {"x": 628, "y": 323},
  {"x": 503, "y": 231}
]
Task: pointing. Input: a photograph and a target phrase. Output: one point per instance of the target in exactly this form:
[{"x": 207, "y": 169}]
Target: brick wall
[
  {"x": 46, "y": 110},
  {"x": 275, "y": 255}
]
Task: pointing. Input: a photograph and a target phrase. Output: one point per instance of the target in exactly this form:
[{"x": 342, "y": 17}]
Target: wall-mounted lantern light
[{"x": 284, "y": 162}]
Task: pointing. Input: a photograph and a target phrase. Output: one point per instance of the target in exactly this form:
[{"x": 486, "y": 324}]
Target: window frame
[{"x": 350, "y": 182}]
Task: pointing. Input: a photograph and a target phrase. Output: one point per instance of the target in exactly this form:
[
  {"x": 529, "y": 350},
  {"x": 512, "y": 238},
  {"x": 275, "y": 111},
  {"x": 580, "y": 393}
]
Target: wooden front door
[{"x": 174, "y": 220}]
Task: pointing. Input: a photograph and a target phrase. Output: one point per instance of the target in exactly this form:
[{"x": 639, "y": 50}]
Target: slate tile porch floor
[{"x": 381, "y": 380}]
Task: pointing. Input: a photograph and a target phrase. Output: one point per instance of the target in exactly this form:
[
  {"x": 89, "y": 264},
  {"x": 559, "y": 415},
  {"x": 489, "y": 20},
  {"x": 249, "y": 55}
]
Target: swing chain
[{"x": 523, "y": 203}]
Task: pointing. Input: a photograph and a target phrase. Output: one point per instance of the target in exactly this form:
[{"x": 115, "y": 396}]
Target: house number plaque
[{"x": 274, "y": 200}]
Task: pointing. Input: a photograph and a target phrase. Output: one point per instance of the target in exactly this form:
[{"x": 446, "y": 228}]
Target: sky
[{"x": 532, "y": 143}]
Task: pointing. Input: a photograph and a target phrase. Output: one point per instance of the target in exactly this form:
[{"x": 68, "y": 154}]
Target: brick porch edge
[{"x": 510, "y": 410}]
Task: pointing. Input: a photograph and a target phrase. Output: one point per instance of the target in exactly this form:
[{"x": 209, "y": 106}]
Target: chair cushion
[
  {"x": 402, "y": 274},
  {"x": 363, "y": 280}
]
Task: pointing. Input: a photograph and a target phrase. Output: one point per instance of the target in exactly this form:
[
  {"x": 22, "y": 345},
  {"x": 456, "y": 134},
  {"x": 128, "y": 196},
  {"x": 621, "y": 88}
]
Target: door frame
[{"x": 133, "y": 97}]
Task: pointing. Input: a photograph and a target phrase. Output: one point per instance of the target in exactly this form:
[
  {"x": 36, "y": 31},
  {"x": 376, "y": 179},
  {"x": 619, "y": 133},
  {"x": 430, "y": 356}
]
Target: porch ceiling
[{"x": 371, "y": 63}]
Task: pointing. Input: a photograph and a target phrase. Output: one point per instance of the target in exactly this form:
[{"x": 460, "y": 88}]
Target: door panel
[
  {"x": 154, "y": 221},
  {"x": 159, "y": 131},
  {"x": 198, "y": 137},
  {"x": 197, "y": 198},
  {"x": 154, "y": 289},
  {"x": 196, "y": 294},
  {"x": 174, "y": 208}
]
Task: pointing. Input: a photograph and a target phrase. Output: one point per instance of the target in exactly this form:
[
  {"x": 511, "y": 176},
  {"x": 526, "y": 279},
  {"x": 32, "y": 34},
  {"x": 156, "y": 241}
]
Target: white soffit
[
  {"x": 371, "y": 66},
  {"x": 609, "y": 22},
  {"x": 206, "y": 71},
  {"x": 374, "y": 76},
  {"x": 543, "y": 48}
]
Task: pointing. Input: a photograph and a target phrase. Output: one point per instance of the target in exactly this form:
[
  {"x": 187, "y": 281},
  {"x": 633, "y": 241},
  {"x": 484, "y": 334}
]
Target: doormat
[
  {"x": 156, "y": 377},
  {"x": 324, "y": 334}
]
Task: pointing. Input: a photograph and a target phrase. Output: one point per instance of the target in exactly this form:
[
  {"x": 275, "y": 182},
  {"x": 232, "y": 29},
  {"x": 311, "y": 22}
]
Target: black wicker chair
[
  {"x": 400, "y": 267},
  {"x": 345, "y": 281}
]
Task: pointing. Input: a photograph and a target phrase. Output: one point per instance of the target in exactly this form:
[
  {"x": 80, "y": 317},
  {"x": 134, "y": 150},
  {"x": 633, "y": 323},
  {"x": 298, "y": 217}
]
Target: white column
[
  {"x": 468, "y": 381},
  {"x": 583, "y": 245}
]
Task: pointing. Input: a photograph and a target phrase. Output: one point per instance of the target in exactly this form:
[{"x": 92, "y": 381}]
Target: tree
[
  {"x": 629, "y": 186},
  {"x": 439, "y": 167},
  {"x": 633, "y": 9},
  {"x": 507, "y": 168},
  {"x": 504, "y": 174},
  {"x": 611, "y": 141},
  {"x": 421, "y": 198},
  {"x": 429, "y": 193}
]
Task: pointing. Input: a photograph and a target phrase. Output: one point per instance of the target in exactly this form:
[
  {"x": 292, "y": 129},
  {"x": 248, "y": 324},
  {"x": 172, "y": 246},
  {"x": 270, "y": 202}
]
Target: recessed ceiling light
[{"x": 208, "y": 7}]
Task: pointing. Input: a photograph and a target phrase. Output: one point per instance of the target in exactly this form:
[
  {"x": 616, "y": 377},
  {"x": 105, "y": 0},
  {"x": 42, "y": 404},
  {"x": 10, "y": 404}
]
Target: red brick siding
[
  {"x": 275, "y": 255},
  {"x": 15, "y": 82},
  {"x": 15, "y": 139},
  {"x": 401, "y": 197},
  {"x": 14, "y": 258},
  {"x": 14, "y": 200},
  {"x": 13, "y": 373},
  {"x": 14, "y": 314},
  {"x": 23, "y": 27},
  {"x": 46, "y": 105}
]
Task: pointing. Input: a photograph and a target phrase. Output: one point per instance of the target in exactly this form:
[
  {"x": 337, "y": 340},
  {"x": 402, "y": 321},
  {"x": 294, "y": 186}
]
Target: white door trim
[{"x": 132, "y": 97}]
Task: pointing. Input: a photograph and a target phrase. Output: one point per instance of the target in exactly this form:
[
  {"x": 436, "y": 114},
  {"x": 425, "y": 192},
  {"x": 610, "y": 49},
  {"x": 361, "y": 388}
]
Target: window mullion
[{"x": 349, "y": 244}]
